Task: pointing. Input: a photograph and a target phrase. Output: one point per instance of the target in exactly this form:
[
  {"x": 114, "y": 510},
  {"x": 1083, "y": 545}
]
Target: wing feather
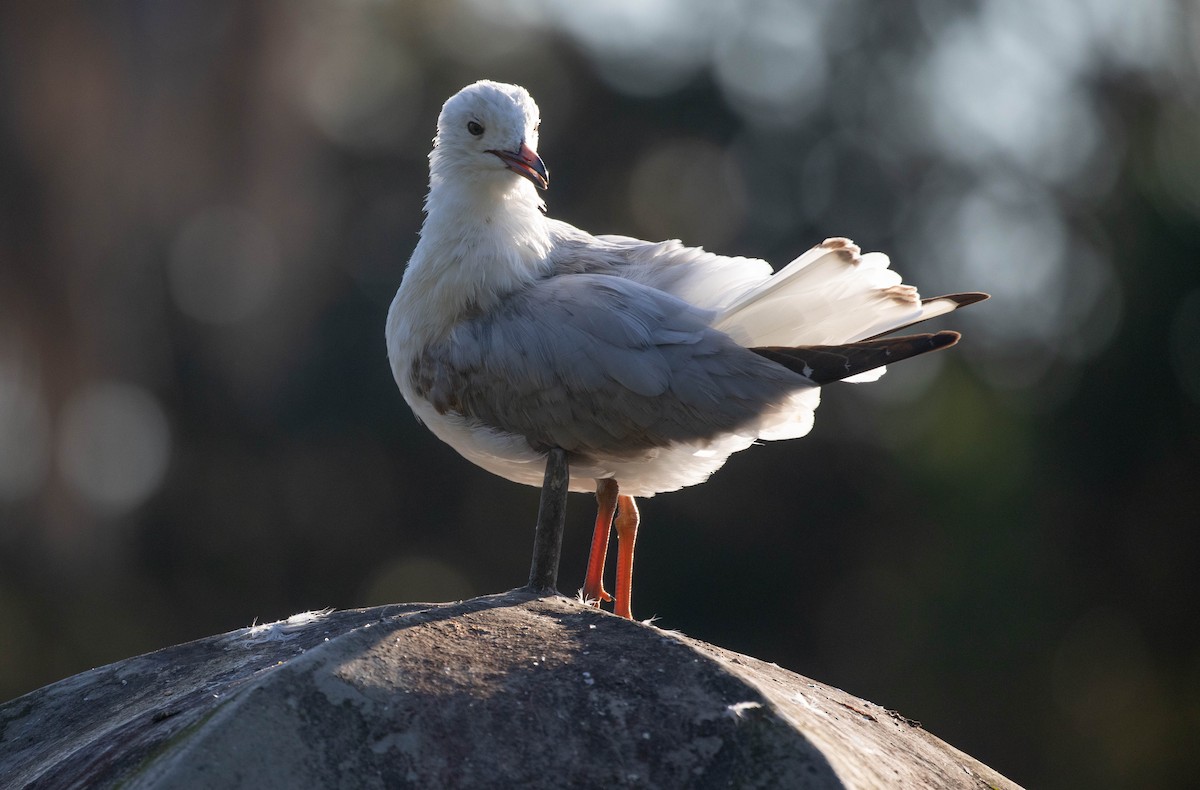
[{"x": 597, "y": 364}]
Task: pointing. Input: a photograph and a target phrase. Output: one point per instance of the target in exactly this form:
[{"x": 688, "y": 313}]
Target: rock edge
[{"x": 507, "y": 690}]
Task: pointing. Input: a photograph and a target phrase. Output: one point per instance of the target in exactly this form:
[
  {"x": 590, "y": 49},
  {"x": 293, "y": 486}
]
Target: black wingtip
[
  {"x": 960, "y": 300},
  {"x": 943, "y": 339},
  {"x": 826, "y": 364}
]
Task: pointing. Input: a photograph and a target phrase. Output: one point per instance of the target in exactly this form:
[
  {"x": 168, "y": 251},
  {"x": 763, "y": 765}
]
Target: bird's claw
[{"x": 596, "y": 597}]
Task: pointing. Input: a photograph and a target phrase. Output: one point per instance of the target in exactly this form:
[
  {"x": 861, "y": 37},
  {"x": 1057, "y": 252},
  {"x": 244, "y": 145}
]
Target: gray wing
[
  {"x": 594, "y": 363},
  {"x": 689, "y": 273}
]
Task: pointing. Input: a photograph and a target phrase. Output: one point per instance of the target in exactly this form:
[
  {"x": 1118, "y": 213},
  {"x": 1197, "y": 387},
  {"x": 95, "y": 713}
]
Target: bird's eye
[{"x": 474, "y": 128}]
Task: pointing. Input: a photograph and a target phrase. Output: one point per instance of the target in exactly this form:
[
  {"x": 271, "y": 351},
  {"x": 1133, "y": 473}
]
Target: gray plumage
[{"x": 597, "y": 364}]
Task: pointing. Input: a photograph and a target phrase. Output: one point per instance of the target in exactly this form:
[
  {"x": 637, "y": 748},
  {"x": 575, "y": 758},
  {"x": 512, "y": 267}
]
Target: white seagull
[{"x": 649, "y": 363}]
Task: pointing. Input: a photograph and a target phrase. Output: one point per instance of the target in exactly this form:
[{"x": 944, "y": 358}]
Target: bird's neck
[{"x": 479, "y": 243}]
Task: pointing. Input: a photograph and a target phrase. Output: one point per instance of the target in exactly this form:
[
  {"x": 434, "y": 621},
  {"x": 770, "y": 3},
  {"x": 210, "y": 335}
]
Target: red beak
[{"x": 525, "y": 162}]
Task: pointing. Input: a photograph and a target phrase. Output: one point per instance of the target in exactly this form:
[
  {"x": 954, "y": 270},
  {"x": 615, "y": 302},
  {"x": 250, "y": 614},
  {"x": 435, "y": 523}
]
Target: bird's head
[{"x": 487, "y": 132}]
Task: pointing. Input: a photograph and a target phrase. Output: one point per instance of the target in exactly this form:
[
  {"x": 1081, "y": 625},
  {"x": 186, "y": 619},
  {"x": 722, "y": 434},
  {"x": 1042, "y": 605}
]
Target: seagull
[{"x": 648, "y": 363}]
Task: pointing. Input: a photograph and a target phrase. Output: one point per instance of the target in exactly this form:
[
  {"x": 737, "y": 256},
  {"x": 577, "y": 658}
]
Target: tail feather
[
  {"x": 830, "y": 294},
  {"x": 825, "y": 364},
  {"x": 938, "y": 305}
]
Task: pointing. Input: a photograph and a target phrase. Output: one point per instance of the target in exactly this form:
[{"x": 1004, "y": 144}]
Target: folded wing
[{"x": 598, "y": 364}]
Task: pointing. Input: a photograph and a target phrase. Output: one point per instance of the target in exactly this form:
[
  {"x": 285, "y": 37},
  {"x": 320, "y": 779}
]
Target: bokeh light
[
  {"x": 357, "y": 80},
  {"x": 769, "y": 61},
  {"x": 689, "y": 189},
  {"x": 114, "y": 445}
]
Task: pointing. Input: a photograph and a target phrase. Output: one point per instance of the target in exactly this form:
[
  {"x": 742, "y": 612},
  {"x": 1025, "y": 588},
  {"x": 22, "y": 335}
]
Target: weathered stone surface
[{"x": 505, "y": 691}]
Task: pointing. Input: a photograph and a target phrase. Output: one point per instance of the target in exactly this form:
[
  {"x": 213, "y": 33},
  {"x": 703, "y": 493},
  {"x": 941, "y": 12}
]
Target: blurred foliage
[{"x": 205, "y": 209}]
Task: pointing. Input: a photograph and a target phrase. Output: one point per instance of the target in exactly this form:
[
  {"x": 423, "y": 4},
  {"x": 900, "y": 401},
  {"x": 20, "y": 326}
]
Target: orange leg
[
  {"x": 627, "y": 526},
  {"x": 606, "y": 506}
]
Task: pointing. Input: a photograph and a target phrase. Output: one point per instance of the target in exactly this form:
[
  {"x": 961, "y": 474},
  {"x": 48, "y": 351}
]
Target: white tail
[{"x": 830, "y": 294}]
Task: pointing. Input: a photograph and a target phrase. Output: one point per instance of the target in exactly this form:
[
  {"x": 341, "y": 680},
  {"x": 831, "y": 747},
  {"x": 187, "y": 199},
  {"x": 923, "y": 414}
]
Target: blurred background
[{"x": 206, "y": 207}]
